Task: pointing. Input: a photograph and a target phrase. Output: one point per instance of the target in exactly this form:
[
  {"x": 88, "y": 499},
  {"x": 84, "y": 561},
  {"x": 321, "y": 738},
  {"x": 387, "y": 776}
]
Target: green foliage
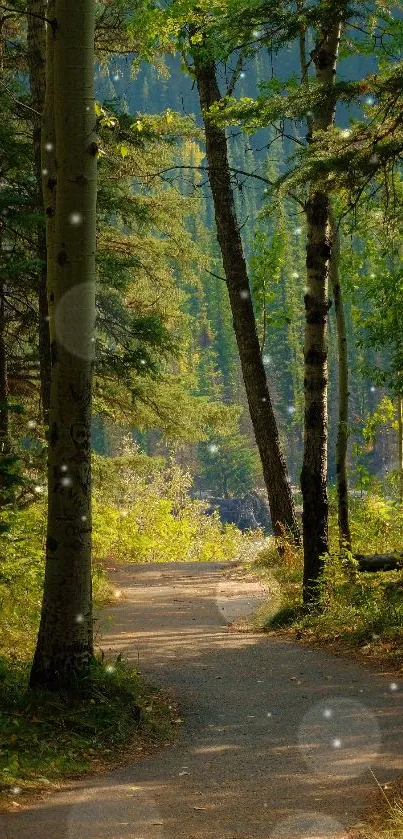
[
  {"x": 359, "y": 609},
  {"x": 229, "y": 466},
  {"x": 143, "y": 513},
  {"x": 44, "y": 737},
  {"x": 21, "y": 578}
]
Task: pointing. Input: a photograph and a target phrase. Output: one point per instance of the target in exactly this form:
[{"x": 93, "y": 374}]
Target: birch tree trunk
[
  {"x": 314, "y": 469},
  {"x": 4, "y": 408},
  {"x": 400, "y": 445},
  {"x": 36, "y": 38},
  {"x": 342, "y": 430},
  {"x": 65, "y": 646},
  {"x": 229, "y": 238}
]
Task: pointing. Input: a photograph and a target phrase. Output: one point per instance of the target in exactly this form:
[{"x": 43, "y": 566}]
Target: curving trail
[{"x": 278, "y": 740}]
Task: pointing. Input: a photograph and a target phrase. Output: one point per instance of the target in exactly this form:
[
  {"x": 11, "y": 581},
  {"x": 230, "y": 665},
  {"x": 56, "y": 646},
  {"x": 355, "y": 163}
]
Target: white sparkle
[
  {"x": 327, "y": 713},
  {"x": 369, "y": 100},
  {"x": 295, "y": 275},
  {"x": 244, "y": 294},
  {"x": 142, "y": 361},
  {"x": 110, "y": 668},
  {"x": 269, "y": 714},
  {"x": 393, "y": 686},
  {"x": 242, "y": 75},
  {"x": 16, "y": 790},
  {"x": 264, "y": 399},
  {"x": 266, "y": 359},
  {"x": 38, "y": 489},
  {"x": 372, "y": 389},
  {"x": 75, "y": 219},
  {"x": 213, "y": 449},
  {"x": 291, "y": 409},
  {"x": 31, "y": 424},
  {"x": 44, "y": 172},
  {"x": 79, "y": 618},
  {"x": 116, "y": 77},
  {"x": 336, "y": 743},
  {"x": 256, "y": 33},
  {"x": 49, "y": 146},
  {"x": 298, "y": 231},
  {"x": 66, "y": 482},
  {"x": 64, "y": 467},
  {"x": 83, "y": 518},
  {"x": 346, "y": 132}
]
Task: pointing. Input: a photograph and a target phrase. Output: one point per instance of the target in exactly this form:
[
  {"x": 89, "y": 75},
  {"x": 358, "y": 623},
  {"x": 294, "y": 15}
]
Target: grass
[
  {"x": 46, "y": 738},
  {"x": 386, "y": 819},
  {"x": 362, "y": 613}
]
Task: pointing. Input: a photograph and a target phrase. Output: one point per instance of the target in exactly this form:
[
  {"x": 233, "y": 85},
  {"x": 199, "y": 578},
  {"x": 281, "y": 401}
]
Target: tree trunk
[
  {"x": 400, "y": 445},
  {"x": 229, "y": 238},
  {"x": 342, "y": 431},
  {"x": 65, "y": 641},
  {"x": 314, "y": 469},
  {"x": 379, "y": 562},
  {"x": 36, "y": 38},
  {"x": 4, "y": 424},
  {"x": 4, "y": 430}
]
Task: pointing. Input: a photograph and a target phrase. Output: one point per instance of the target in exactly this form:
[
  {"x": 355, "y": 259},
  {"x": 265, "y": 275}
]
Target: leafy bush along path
[{"x": 277, "y": 741}]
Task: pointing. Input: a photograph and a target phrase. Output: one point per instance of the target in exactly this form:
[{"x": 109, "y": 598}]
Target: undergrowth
[
  {"x": 47, "y": 737},
  {"x": 144, "y": 512},
  {"x": 362, "y": 611}
]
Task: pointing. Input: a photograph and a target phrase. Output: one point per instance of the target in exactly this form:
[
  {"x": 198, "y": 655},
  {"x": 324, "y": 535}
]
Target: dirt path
[{"x": 278, "y": 740}]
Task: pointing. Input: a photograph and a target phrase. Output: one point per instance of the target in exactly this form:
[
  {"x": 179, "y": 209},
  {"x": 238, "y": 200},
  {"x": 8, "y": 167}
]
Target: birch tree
[{"x": 65, "y": 646}]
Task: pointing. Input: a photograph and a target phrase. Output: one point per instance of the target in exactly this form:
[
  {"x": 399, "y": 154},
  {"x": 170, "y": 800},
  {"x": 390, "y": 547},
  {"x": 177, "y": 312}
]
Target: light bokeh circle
[
  {"x": 71, "y": 321},
  {"x": 309, "y": 825},
  {"x": 339, "y": 737}
]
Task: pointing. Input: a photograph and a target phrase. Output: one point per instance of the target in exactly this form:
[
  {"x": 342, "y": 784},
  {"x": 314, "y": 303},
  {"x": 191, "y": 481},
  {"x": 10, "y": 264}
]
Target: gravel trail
[{"x": 278, "y": 741}]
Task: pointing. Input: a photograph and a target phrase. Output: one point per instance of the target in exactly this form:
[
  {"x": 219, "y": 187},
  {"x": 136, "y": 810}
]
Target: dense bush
[{"x": 143, "y": 513}]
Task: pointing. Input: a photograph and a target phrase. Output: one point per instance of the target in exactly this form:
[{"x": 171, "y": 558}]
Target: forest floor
[{"x": 278, "y": 741}]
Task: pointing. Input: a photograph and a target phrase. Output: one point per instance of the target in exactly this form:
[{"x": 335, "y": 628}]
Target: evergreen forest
[{"x": 201, "y": 362}]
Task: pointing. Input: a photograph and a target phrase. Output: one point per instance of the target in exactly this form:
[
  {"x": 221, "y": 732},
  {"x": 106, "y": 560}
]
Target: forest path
[{"x": 278, "y": 740}]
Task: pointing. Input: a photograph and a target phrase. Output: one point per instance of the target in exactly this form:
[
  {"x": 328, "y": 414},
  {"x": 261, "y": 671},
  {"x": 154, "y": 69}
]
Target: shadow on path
[{"x": 278, "y": 742}]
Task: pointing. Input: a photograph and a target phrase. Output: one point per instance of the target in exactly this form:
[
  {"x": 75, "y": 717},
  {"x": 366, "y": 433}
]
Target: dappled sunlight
[{"x": 277, "y": 741}]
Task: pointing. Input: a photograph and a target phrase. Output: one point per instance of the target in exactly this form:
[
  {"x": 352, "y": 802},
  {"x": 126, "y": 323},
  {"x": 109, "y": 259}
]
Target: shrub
[{"x": 143, "y": 513}]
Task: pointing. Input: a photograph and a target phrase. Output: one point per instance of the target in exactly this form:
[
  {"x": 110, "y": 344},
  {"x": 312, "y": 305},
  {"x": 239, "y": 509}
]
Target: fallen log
[{"x": 380, "y": 562}]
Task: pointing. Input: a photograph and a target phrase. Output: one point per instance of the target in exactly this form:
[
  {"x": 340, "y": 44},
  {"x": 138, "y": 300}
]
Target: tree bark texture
[
  {"x": 65, "y": 641},
  {"x": 342, "y": 430},
  {"x": 36, "y": 38},
  {"x": 4, "y": 430},
  {"x": 229, "y": 238},
  {"x": 314, "y": 469},
  {"x": 400, "y": 445}
]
